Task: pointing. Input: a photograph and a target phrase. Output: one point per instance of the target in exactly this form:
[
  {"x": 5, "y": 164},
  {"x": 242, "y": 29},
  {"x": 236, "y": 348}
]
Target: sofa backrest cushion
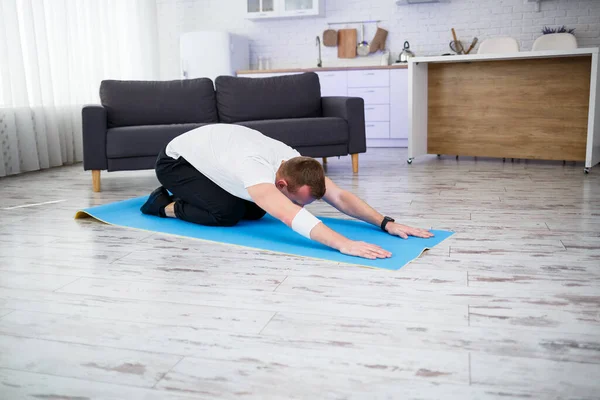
[
  {"x": 277, "y": 97},
  {"x": 130, "y": 103}
]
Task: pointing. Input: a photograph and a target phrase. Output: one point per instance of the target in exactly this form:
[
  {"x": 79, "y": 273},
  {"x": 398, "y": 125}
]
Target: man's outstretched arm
[
  {"x": 352, "y": 205},
  {"x": 270, "y": 199}
]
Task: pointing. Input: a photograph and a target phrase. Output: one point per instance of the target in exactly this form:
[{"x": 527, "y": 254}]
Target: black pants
[{"x": 200, "y": 200}]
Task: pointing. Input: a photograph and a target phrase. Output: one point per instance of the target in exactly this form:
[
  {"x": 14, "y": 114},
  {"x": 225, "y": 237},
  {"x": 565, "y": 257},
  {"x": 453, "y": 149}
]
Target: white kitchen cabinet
[
  {"x": 260, "y": 9},
  {"x": 377, "y": 130},
  {"x": 373, "y": 86},
  {"x": 399, "y": 103},
  {"x": 371, "y": 95},
  {"x": 265, "y": 9},
  {"x": 333, "y": 83},
  {"x": 377, "y": 112},
  {"x": 369, "y": 78},
  {"x": 302, "y": 8}
]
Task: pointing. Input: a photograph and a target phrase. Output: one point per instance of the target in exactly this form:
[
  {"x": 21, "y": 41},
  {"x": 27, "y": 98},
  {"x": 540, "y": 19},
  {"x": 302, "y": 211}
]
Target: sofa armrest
[
  {"x": 93, "y": 120},
  {"x": 352, "y": 109}
]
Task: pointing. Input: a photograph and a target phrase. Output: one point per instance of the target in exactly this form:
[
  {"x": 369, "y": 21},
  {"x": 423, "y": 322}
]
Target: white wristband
[{"x": 304, "y": 222}]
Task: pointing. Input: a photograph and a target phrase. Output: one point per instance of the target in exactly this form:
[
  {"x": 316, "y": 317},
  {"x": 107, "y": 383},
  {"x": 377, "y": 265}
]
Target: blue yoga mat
[{"x": 270, "y": 234}]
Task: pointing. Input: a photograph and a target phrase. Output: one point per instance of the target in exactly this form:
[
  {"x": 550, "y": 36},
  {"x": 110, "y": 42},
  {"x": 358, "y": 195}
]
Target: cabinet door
[
  {"x": 377, "y": 130},
  {"x": 290, "y": 8},
  {"x": 377, "y": 112},
  {"x": 368, "y": 78},
  {"x": 333, "y": 83},
  {"x": 371, "y": 95},
  {"x": 261, "y": 8},
  {"x": 399, "y": 103}
]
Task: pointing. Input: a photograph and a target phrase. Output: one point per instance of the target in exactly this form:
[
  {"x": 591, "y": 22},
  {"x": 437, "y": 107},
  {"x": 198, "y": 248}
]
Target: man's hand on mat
[
  {"x": 405, "y": 231},
  {"x": 365, "y": 250}
]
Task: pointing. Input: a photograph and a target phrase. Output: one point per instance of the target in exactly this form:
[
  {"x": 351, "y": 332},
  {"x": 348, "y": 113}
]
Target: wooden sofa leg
[
  {"x": 96, "y": 180},
  {"x": 355, "y": 163},
  {"x": 324, "y": 160}
]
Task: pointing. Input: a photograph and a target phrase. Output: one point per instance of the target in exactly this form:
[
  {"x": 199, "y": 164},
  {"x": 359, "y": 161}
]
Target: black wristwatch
[{"x": 385, "y": 222}]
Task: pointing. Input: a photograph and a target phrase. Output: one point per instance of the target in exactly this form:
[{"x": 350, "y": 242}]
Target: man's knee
[
  {"x": 231, "y": 216},
  {"x": 255, "y": 216},
  {"x": 253, "y": 212}
]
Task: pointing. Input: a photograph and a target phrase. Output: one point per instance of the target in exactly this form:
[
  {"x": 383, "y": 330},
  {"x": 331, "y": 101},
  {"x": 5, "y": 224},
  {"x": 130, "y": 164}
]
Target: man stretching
[{"x": 220, "y": 174}]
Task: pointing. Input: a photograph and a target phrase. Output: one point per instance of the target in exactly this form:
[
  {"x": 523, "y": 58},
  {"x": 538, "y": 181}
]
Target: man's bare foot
[{"x": 170, "y": 210}]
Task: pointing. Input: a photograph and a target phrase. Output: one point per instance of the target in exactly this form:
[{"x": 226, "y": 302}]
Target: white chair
[
  {"x": 555, "y": 41},
  {"x": 498, "y": 45}
]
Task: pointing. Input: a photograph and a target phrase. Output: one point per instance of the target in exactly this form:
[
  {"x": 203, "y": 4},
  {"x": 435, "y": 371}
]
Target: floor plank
[
  {"x": 551, "y": 345},
  {"x": 238, "y": 275},
  {"x": 92, "y": 363},
  {"x": 303, "y": 299},
  {"x": 557, "y": 379},
  {"x": 82, "y": 254},
  {"x": 275, "y": 373},
  {"x": 27, "y": 280},
  {"x": 19, "y": 385},
  {"x": 514, "y": 297},
  {"x": 536, "y": 319},
  {"x": 170, "y": 275},
  {"x": 564, "y": 283},
  {"x": 202, "y": 317}
]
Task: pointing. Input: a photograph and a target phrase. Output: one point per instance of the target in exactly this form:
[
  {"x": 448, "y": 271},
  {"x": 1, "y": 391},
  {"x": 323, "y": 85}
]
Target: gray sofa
[{"x": 136, "y": 119}]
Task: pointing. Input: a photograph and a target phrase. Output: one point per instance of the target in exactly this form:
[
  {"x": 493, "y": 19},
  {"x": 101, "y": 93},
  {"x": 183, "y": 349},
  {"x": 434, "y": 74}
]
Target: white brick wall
[{"x": 291, "y": 42}]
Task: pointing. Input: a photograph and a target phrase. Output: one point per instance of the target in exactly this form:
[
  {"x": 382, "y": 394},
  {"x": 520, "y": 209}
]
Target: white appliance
[{"x": 208, "y": 54}]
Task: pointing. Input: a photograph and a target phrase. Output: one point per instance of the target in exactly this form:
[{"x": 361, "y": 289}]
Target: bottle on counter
[{"x": 385, "y": 57}]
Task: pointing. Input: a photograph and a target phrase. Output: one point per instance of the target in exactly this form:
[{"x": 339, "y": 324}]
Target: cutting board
[{"x": 347, "y": 41}]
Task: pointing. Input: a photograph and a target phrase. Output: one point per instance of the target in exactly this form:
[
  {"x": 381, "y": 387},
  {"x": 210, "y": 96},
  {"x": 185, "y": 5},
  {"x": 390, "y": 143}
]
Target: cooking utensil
[
  {"x": 378, "y": 42},
  {"x": 347, "y": 43},
  {"x": 363, "y": 47},
  {"x": 405, "y": 54},
  {"x": 454, "y": 35},
  {"x": 472, "y": 45},
  {"x": 330, "y": 38},
  {"x": 456, "y": 45}
]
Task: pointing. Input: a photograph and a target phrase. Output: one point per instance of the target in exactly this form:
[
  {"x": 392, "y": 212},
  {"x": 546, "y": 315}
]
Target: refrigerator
[{"x": 208, "y": 54}]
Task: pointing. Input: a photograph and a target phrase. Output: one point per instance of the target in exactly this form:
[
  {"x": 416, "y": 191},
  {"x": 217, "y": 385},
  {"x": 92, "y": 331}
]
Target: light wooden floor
[{"x": 508, "y": 308}]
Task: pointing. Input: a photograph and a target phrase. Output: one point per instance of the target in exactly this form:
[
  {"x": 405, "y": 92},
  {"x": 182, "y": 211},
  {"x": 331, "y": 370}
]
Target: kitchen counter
[
  {"x": 530, "y": 105},
  {"x": 317, "y": 69},
  {"x": 506, "y": 56}
]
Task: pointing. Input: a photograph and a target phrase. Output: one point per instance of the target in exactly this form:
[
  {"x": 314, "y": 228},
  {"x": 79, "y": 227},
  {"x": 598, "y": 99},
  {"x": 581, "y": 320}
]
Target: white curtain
[{"x": 53, "y": 55}]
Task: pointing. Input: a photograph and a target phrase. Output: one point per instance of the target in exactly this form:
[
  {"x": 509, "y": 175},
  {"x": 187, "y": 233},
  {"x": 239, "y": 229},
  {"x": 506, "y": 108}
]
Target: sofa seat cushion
[
  {"x": 132, "y": 103},
  {"x": 144, "y": 140},
  {"x": 278, "y": 97},
  {"x": 299, "y": 132}
]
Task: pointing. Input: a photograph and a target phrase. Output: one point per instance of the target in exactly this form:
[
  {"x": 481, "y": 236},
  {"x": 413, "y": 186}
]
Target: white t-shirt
[{"x": 233, "y": 156}]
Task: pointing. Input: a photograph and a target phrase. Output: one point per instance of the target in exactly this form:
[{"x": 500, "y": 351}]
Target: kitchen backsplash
[{"x": 290, "y": 43}]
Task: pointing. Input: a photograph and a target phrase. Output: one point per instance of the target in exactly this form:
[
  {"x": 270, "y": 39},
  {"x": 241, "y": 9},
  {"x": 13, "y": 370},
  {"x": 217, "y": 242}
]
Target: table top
[{"x": 506, "y": 56}]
